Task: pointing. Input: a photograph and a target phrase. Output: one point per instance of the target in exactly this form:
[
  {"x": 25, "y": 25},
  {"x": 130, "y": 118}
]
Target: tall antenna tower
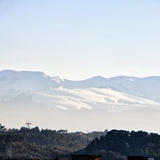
[{"x": 28, "y": 124}]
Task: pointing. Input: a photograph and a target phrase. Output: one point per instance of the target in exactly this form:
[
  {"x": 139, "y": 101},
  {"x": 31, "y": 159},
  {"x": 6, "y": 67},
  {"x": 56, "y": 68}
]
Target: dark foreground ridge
[{"x": 51, "y": 144}]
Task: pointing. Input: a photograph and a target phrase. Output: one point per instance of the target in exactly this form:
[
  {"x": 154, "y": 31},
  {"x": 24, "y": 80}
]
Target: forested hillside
[
  {"x": 117, "y": 144},
  {"x": 36, "y": 143},
  {"x": 46, "y": 144}
]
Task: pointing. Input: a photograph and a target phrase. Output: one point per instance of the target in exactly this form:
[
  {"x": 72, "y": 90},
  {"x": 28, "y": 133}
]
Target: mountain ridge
[
  {"x": 36, "y": 80},
  {"x": 33, "y": 95}
]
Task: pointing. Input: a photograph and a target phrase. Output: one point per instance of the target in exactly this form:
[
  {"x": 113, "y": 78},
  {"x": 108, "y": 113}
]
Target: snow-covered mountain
[
  {"x": 147, "y": 87},
  {"x": 31, "y": 94}
]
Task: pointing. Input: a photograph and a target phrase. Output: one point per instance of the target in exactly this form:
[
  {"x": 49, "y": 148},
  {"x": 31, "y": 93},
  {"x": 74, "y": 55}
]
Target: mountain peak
[{"x": 98, "y": 78}]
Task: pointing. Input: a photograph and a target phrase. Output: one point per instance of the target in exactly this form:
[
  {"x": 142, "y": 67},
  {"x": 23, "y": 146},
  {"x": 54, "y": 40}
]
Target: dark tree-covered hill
[
  {"x": 47, "y": 144},
  {"x": 44, "y": 144},
  {"x": 118, "y": 144}
]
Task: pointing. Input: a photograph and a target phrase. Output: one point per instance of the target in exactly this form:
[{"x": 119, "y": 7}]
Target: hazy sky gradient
[{"x": 80, "y": 39}]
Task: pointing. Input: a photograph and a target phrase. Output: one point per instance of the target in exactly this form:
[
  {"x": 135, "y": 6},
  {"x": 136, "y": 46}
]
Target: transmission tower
[{"x": 28, "y": 124}]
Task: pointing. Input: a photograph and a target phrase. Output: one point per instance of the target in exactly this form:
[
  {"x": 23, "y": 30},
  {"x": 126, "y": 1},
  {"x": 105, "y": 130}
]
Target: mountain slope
[
  {"x": 78, "y": 105},
  {"x": 57, "y": 93},
  {"x": 147, "y": 87}
]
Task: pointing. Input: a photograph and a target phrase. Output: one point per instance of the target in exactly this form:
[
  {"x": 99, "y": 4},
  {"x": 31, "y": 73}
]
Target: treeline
[
  {"x": 44, "y": 144},
  {"x": 50, "y": 144}
]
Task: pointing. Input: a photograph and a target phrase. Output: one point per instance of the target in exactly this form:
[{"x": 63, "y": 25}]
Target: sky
[{"x": 81, "y": 39}]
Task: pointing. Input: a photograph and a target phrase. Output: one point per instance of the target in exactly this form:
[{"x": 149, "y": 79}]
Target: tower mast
[{"x": 28, "y": 124}]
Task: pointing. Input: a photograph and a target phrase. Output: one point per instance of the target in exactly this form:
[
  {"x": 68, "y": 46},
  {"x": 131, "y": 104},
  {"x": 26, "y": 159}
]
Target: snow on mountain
[
  {"x": 113, "y": 94},
  {"x": 14, "y": 83},
  {"x": 91, "y": 98},
  {"x": 94, "y": 82},
  {"x": 147, "y": 87},
  {"x": 79, "y": 105}
]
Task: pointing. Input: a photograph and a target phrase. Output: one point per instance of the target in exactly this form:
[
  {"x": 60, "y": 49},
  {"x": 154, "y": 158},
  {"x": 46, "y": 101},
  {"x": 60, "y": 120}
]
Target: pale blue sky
[{"x": 78, "y": 39}]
